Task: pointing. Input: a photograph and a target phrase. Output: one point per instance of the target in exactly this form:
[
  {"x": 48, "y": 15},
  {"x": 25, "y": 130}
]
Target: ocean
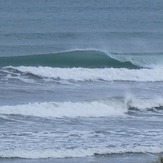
[{"x": 81, "y": 81}]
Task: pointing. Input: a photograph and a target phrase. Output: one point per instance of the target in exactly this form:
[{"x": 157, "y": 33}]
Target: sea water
[{"x": 81, "y": 81}]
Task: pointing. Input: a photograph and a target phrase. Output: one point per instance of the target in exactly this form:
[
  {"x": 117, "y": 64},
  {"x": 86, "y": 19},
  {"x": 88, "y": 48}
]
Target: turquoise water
[
  {"x": 81, "y": 80},
  {"x": 69, "y": 59}
]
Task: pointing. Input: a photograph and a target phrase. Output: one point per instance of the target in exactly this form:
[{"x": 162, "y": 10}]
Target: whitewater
[
  {"x": 86, "y": 74},
  {"x": 81, "y": 81},
  {"x": 103, "y": 108}
]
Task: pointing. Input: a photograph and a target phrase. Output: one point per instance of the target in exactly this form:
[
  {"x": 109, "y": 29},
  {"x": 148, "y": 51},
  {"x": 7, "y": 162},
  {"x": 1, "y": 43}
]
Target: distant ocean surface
[{"x": 81, "y": 81}]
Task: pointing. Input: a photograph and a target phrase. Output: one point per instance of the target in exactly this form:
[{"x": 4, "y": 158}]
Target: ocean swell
[{"x": 76, "y": 58}]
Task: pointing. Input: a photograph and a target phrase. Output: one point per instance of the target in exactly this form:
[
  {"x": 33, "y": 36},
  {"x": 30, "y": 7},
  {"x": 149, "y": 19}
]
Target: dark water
[{"x": 81, "y": 80}]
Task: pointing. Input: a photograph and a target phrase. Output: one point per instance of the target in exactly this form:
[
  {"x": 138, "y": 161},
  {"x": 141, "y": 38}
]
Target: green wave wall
[{"x": 78, "y": 58}]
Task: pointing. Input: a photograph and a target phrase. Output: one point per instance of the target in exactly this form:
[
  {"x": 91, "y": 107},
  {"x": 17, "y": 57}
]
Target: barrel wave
[{"x": 76, "y": 58}]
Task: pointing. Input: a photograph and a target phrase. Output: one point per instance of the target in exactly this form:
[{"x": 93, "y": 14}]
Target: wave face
[
  {"x": 150, "y": 59},
  {"x": 101, "y": 108},
  {"x": 82, "y": 74},
  {"x": 76, "y": 58}
]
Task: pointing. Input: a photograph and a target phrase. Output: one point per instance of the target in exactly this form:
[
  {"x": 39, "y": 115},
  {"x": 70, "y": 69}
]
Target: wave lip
[{"x": 76, "y": 58}]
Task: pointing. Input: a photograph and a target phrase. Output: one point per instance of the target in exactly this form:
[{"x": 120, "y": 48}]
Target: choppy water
[{"x": 80, "y": 78}]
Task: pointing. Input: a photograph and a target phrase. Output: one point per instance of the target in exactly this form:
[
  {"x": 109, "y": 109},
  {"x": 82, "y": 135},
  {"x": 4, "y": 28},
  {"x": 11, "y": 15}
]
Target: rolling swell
[{"x": 77, "y": 58}]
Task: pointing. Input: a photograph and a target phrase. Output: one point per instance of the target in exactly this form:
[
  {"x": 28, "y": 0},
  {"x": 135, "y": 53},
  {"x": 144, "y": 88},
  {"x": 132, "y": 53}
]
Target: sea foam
[
  {"x": 66, "y": 109},
  {"x": 79, "y": 152},
  {"x": 98, "y": 108},
  {"x": 88, "y": 74}
]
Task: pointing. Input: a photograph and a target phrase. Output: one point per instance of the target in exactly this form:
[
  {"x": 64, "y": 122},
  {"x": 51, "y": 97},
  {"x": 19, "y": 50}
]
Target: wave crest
[{"x": 76, "y": 58}]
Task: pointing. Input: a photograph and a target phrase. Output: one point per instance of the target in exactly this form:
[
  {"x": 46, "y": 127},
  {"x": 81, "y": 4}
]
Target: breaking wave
[
  {"x": 76, "y": 58},
  {"x": 100, "y": 108},
  {"x": 79, "y": 152},
  {"x": 82, "y": 74}
]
